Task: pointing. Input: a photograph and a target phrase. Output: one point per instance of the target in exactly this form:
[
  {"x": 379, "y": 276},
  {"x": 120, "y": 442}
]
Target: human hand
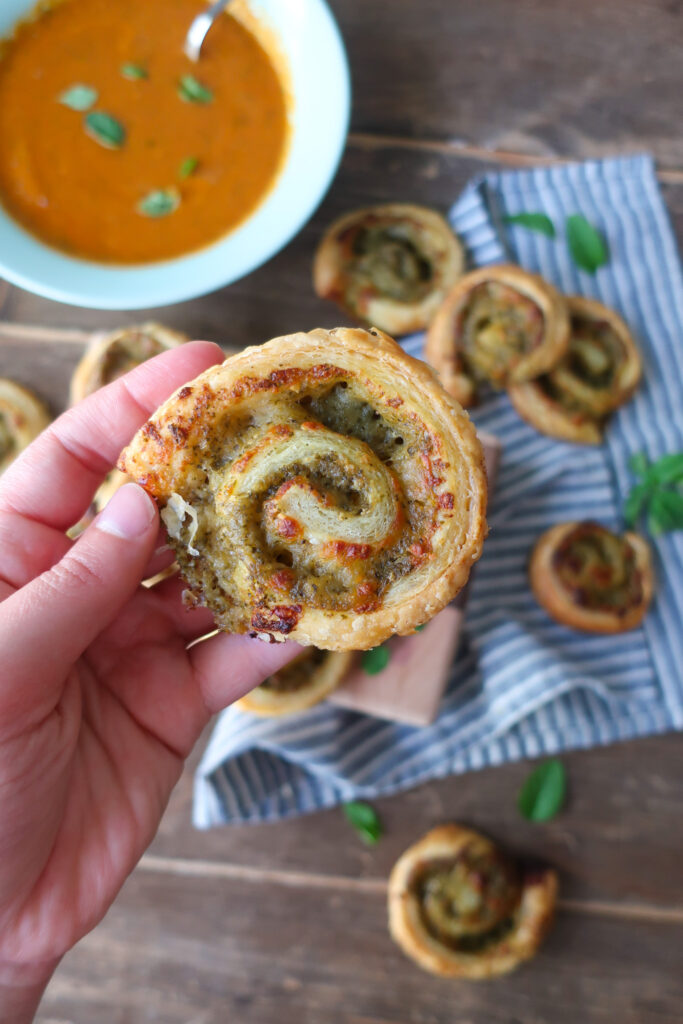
[{"x": 100, "y": 699}]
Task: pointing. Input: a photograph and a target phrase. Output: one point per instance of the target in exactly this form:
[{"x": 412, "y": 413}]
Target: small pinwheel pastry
[
  {"x": 499, "y": 325},
  {"x": 389, "y": 266},
  {"x": 599, "y": 372},
  {"x": 459, "y": 908},
  {"x": 591, "y": 579},
  {"x": 300, "y": 685},
  {"x": 22, "y": 418},
  {"x": 112, "y": 355},
  {"x": 322, "y": 486}
]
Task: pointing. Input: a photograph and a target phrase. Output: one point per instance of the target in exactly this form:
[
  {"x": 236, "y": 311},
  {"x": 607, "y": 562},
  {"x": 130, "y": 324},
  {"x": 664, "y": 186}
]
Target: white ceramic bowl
[{"x": 319, "y": 81}]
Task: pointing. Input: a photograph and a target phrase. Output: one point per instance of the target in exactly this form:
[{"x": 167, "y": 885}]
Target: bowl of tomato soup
[{"x": 132, "y": 177}]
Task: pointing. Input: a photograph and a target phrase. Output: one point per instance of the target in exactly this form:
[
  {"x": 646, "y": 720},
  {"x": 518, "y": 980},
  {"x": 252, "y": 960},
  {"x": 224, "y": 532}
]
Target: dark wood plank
[
  {"x": 538, "y": 76},
  {"x": 278, "y": 298},
  {"x": 194, "y": 951},
  {"x": 619, "y": 838}
]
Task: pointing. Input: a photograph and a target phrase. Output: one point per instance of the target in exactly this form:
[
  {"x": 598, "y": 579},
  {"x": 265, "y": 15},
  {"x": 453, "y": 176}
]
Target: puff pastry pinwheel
[
  {"x": 499, "y": 324},
  {"x": 390, "y": 266},
  {"x": 599, "y": 372},
  {"x": 322, "y": 486},
  {"x": 591, "y": 579},
  {"x": 461, "y": 909},
  {"x": 112, "y": 355},
  {"x": 22, "y": 418},
  {"x": 300, "y": 685}
]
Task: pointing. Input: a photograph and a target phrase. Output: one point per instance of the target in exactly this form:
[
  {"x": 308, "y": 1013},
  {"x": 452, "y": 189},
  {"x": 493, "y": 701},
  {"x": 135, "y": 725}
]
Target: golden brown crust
[
  {"x": 583, "y": 421},
  {"x": 394, "y": 534},
  {"x": 322, "y": 680},
  {"x": 133, "y": 345},
  {"x": 22, "y": 418},
  {"x": 445, "y": 349},
  {"x": 552, "y": 595},
  {"x": 405, "y": 244},
  {"x": 527, "y": 927}
]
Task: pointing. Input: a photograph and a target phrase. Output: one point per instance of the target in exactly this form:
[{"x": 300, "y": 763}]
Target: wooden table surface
[{"x": 285, "y": 924}]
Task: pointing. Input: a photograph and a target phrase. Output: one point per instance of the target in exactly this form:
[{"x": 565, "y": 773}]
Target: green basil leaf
[
  {"x": 668, "y": 469},
  {"x": 78, "y": 97},
  {"x": 192, "y": 91},
  {"x": 365, "y": 821},
  {"x": 587, "y": 245},
  {"x": 666, "y": 511},
  {"x": 543, "y": 792},
  {"x": 188, "y": 167},
  {"x": 105, "y": 129},
  {"x": 635, "y": 503},
  {"x": 639, "y": 463},
  {"x": 159, "y": 203},
  {"x": 533, "y": 221},
  {"x": 418, "y": 629},
  {"x": 375, "y": 660},
  {"x": 134, "y": 72}
]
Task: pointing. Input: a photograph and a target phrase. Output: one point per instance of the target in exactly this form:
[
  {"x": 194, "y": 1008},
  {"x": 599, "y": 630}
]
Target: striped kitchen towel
[{"x": 522, "y": 686}]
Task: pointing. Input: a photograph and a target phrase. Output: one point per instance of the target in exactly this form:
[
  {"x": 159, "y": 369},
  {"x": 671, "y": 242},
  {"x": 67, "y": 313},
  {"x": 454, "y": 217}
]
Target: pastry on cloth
[
  {"x": 591, "y": 579},
  {"x": 599, "y": 372},
  {"x": 111, "y": 355},
  {"x": 459, "y": 908},
  {"x": 322, "y": 486},
  {"x": 22, "y": 418},
  {"x": 301, "y": 684},
  {"x": 500, "y": 325},
  {"x": 389, "y": 266}
]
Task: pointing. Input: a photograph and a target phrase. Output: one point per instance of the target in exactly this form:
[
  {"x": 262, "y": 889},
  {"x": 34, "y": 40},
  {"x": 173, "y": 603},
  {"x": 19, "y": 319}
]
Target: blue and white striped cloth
[{"x": 522, "y": 686}]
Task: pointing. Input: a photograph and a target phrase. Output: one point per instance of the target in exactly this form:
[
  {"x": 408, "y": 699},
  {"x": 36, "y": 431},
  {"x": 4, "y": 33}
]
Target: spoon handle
[{"x": 199, "y": 28}]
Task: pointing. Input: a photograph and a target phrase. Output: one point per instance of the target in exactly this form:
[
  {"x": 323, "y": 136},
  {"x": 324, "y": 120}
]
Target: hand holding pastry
[{"x": 101, "y": 700}]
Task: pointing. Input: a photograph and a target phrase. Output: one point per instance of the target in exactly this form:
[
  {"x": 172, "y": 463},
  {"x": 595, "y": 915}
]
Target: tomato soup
[{"x": 116, "y": 147}]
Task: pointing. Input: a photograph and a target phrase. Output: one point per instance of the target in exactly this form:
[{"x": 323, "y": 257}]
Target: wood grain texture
[
  {"x": 542, "y": 77},
  {"x": 178, "y": 951}
]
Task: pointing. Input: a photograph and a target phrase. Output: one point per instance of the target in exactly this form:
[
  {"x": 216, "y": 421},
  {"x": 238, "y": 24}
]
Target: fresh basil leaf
[
  {"x": 418, "y": 629},
  {"x": 533, "y": 221},
  {"x": 635, "y": 503},
  {"x": 134, "y": 72},
  {"x": 192, "y": 91},
  {"x": 666, "y": 512},
  {"x": 639, "y": 463},
  {"x": 78, "y": 97},
  {"x": 365, "y": 821},
  {"x": 188, "y": 167},
  {"x": 668, "y": 469},
  {"x": 375, "y": 660},
  {"x": 587, "y": 245},
  {"x": 159, "y": 203},
  {"x": 105, "y": 129},
  {"x": 543, "y": 793}
]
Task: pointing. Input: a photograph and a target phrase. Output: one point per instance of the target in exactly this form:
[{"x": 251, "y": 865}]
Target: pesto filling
[
  {"x": 125, "y": 354},
  {"x": 468, "y": 903},
  {"x": 584, "y": 380},
  {"x": 297, "y": 675},
  {"x": 386, "y": 260},
  {"x": 8, "y": 442},
  {"x": 497, "y": 327},
  {"x": 598, "y": 569}
]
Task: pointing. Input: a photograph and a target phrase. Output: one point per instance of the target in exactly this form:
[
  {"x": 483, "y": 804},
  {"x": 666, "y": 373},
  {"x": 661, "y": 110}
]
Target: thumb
[{"x": 48, "y": 624}]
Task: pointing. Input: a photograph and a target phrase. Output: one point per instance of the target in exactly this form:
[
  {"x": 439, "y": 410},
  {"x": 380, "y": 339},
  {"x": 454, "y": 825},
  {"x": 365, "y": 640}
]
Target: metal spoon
[{"x": 194, "y": 40}]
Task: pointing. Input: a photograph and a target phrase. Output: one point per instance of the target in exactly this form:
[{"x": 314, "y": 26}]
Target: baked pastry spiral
[
  {"x": 499, "y": 325},
  {"x": 322, "y": 486},
  {"x": 22, "y": 418},
  {"x": 112, "y": 355},
  {"x": 389, "y": 265},
  {"x": 459, "y": 908},
  {"x": 591, "y": 579},
  {"x": 599, "y": 372},
  {"x": 301, "y": 684}
]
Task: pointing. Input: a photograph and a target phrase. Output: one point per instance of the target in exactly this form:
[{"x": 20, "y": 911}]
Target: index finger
[{"x": 54, "y": 479}]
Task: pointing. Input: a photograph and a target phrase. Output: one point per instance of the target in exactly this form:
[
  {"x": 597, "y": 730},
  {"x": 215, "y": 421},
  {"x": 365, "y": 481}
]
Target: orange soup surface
[{"x": 161, "y": 155}]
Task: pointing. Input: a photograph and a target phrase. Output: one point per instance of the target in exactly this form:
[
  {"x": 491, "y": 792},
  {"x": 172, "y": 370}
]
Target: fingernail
[{"x": 128, "y": 514}]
